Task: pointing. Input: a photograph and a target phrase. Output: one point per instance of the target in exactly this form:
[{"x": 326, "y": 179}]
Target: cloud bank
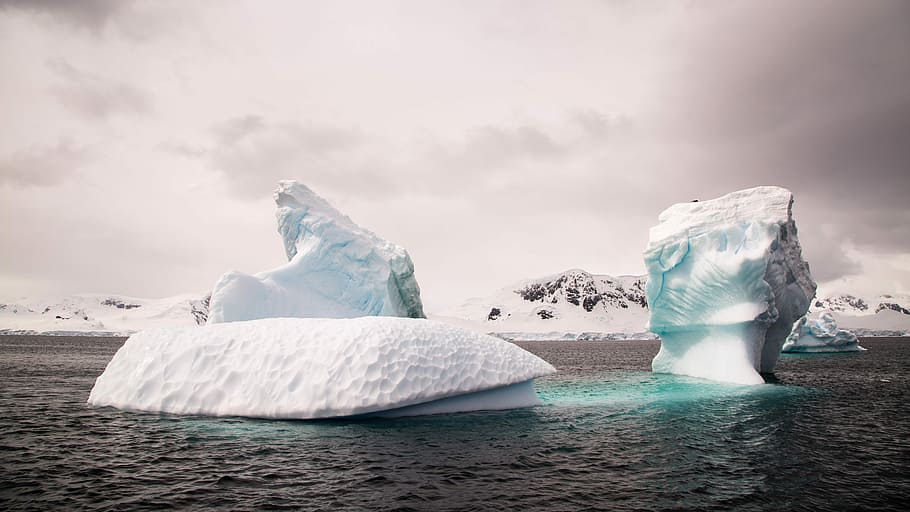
[{"x": 509, "y": 140}]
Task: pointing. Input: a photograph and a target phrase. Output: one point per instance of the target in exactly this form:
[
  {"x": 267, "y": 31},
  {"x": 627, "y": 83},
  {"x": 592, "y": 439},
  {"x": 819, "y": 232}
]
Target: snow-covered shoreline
[
  {"x": 615, "y": 312},
  {"x": 508, "y": 336}
]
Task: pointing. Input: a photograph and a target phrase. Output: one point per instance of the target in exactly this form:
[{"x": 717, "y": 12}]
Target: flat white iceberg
[
  {"x": 335, "y": 269},
  {"x": 306, "y": 368},
  {"x": 726, "y": 281},
  {"x": 819, "y": 333}
]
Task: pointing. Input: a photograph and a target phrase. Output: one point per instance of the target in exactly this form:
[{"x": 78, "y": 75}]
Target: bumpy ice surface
[
  {"x": 726, "y": 281},
  {"x": 318, "y": 368},
  {"x": 336, "y": 269},
  {"x": 819, "y": 333}
]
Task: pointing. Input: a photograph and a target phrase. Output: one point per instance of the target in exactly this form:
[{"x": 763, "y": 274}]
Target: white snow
[
  {"x": 100, "y": 314},
  {"x": 560, "y": 306},
  {"x": 866, "y": 314},
  {"x": 726, "y": 281},
  {"x": 317, "y": 368},
  {"x": 819, "y": 333},
  {"x": 336, "y": 269}
]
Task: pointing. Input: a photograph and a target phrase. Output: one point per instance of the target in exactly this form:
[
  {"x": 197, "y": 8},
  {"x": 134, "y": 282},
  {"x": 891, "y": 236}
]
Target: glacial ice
[
  {"x": 335, "y": 269},
  {"x": 726, "y": 281},
  {"x": 305, "y": 368},
  {"x": 819, "y": 333}
]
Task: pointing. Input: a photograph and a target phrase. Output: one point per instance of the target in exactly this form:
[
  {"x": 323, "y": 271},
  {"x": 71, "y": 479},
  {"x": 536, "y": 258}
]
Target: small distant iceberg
[
  {"x": 819, "y": 333},
  {"x": 335, "y": 269},
  {"x": 308, "y": 368},
  {"x": 726, "y": 282}
]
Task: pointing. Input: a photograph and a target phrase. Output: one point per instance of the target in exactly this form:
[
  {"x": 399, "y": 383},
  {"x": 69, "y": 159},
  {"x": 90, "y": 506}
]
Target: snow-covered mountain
[
  {"x": 573, "y": 304},
  {"x": 579, "y": 305},
  {"x": 877, "y": 314},
  {"x": 97, "y": 314}
]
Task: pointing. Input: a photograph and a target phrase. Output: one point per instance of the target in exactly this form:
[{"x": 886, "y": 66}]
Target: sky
[{"x": 140, "y": 141}]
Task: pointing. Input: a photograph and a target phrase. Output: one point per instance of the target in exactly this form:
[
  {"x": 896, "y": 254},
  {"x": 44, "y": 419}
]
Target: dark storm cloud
[
  {"x": 820, "y": 87},
  {"x": 91, "y": 14},
  {"x": 40, "y": 167},
  {"x": 94, "y": 97},
  {"x": 827, "y": 256},
  {"x": 809, "y": 95}
]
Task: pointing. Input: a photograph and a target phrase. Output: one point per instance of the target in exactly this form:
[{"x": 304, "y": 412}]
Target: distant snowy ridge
[
  {"x": 100, "y": 315},
  {"x": 574, "y": 304},
  {"x": 868, "y": 315},
  {"x": 573, "y": 336},
  {"x": 578, "y": 305},
  {"x": 518, "y": 320},
  {"x": 853, "y": 305}
]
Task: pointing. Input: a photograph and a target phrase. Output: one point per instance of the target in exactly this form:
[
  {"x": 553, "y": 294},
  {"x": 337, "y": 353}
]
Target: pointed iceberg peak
[
  {"x": 726, "y": 281},
  {"x": 335, "y": 269},
  {"x": 297, "y": 202}
]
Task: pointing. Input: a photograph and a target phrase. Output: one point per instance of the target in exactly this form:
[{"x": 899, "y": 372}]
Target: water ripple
[{"x": 830, "y": 435}]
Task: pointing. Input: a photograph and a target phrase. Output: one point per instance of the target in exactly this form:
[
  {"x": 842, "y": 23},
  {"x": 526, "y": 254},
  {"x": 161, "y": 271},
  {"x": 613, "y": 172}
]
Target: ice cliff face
[
  {"x": 819, "y": 333},
  {"x": 726, "y": 281},
  {"x": 335, "y": 269}
]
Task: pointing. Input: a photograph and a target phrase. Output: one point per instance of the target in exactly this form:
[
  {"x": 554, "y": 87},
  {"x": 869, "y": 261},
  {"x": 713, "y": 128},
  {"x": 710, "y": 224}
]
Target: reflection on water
[{"x": 831, "y": 434}]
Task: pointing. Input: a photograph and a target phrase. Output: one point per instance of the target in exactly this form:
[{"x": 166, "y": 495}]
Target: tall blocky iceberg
[
  {"x": 306, "y": 368},
  {"x": 335, "y": 269},
  {"x": 819, "y": 333},
  {"x": 726, "y": 282}
]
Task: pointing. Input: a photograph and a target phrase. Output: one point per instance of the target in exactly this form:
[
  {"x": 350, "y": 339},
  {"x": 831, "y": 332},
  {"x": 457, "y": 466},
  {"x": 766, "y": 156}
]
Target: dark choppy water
[{"x": 834, "y": 433}]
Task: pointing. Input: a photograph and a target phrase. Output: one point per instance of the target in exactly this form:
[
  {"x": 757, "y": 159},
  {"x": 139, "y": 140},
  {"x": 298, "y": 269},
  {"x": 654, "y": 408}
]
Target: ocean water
[{"x": 831, "y": 433}]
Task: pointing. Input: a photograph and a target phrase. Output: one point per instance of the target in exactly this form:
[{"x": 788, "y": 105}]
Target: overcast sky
[{"x": 495, "y": 140}]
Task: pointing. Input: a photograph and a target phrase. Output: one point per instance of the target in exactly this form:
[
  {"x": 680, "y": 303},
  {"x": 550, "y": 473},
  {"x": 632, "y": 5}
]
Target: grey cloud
[
  {"x": 497, "y": 145},
  {"x": 821, "y": 86},
  {"x": 884, "y": 229},
  {"x": 94, "y": 97},
  {"x": 600, "y": 126},
  {"x": 826, "y": 254},
  {"x": 182, "y": 149},
  {"x": 237, "y": 128},
  {"x": 91, "y": 14},
  {"x": 490, "y": 147},
  {"x": 253, "y": 153},
  {"x": 515, "y": 158},
  {"x": 137, "y": 20},
  {"x": 796, "y": 59},
  {"x": 41, "y": 167}
]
